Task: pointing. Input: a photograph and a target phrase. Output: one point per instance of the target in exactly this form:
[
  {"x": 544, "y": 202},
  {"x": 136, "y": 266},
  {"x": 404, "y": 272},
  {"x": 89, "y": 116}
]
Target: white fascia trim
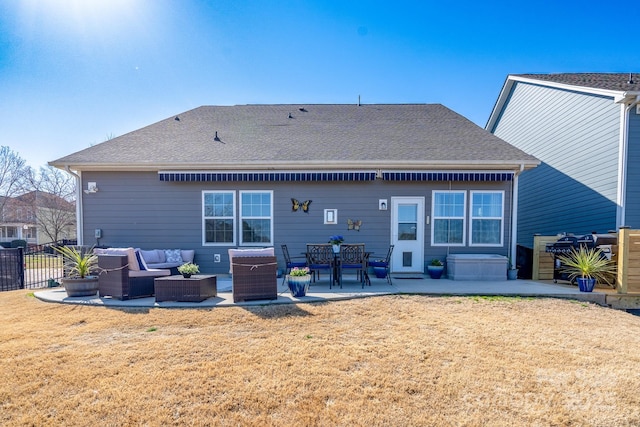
[
  {"x": 574, "y": 88},
  {"x": 497, "y": 108},
  {"x": 79, "y": 202},
  {"x": 627, "y": 98}
]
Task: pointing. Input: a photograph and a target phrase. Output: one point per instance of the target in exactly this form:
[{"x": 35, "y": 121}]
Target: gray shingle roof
[
  {"x": 606, "y": 81},
  {"x": 289, "y": 135}
]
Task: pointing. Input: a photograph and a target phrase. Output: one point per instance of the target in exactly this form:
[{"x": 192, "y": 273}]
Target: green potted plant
[
  {"x": 188, "y": 269},
  {"x": 79, "y": 267},
  {"x": 435, "y": 268},
  {"x": 298, "y": 280},
  {"x": 587, "y": 266}
]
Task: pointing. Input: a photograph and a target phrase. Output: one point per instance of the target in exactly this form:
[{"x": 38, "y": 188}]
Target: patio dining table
[{"x": 336, "y": 261}]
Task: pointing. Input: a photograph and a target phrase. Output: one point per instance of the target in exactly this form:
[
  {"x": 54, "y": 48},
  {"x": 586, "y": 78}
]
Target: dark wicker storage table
[
  {"x": 197, "y": 288},
  {"x": 254, "y": 277}
]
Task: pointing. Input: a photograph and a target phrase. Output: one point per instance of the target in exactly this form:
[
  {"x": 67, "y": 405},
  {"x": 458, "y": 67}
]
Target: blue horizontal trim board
[
  {"x": 266, "y": 176},
  {"x": 447, "y": 176}
]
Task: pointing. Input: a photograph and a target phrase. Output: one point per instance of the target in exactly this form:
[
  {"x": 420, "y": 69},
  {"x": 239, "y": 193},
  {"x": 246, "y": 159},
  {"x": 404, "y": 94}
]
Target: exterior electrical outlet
[{"x": 216, "y": 257}]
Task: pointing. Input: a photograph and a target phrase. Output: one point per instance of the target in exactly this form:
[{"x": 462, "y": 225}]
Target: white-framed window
[
  {"x": 242, "y": 218},
  {"x": 449, "y": 219},
  {"x": 8, "y": 232},
  {"x": 256, "y": 217},
  {"x": 487, "y": 218},
  {"x": 219, "y": 213}
]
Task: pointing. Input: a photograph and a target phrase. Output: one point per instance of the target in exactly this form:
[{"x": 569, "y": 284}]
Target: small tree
[
  {"x": 54, "y": 203},
  {"x": 13, "y": 176}
]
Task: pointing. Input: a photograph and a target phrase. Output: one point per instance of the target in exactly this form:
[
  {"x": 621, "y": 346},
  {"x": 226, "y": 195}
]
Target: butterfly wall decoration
[
  {"x": 354, "y": 224},
  {"x": 296, "y": 205}
]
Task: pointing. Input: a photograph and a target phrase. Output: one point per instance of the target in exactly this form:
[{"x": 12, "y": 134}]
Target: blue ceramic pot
[
  {"x": 298, "y": 285},
  {"x": 586, "y": 285},
  {"x": 380, "y": 272},
  {"x": 435, "y": 271}
]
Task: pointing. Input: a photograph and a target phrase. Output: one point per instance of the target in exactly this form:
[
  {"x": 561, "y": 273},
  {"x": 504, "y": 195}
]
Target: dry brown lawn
[{"x": 381, "y": 361}]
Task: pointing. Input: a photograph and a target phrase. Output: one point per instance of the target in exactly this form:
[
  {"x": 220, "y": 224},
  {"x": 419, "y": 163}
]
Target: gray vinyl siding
[
  {"x": 633, "y": 172},
  {"x": 575, "y": 136},
  {"x": 137, "y": 209}
]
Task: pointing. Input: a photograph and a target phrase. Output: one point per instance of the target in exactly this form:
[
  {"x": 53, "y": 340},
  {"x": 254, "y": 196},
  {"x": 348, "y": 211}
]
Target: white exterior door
[{"x": 407, "y": 228}]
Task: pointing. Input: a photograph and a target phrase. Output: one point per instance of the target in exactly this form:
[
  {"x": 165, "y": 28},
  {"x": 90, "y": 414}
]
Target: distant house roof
[
  {"x": 606, "y": 81},
  {"x": 622, "y": 87},
  {"x": 42, "y": 199},
  {"x": 304, "y": 136}
]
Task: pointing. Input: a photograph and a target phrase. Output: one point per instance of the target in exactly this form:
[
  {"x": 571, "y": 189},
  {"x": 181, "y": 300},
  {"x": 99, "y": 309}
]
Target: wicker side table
[
  {"x": 254, "y": 278},
  {"x": 197, "y": 288}
]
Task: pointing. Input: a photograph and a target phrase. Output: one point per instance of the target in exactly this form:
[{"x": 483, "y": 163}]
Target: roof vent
[
  {"x": 630, "y": 79},
  {"x": 302, "y": 109},
  {"x": 177, "y": 119},
  {"x": 290, "y": 116},
  {"x": 216, "y": 137}
]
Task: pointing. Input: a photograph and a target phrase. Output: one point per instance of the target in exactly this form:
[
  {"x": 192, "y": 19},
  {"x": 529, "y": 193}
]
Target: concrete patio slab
[{"x": 320, "y": 292}]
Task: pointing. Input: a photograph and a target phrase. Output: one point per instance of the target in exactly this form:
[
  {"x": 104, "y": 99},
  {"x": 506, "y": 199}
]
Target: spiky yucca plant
[
  {"x": 588, "y": 264},
  {"x": 78, "y": 262}
]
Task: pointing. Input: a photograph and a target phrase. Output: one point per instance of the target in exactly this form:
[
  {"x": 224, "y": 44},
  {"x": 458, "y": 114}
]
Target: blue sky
[{"x": 75, "y": 72}]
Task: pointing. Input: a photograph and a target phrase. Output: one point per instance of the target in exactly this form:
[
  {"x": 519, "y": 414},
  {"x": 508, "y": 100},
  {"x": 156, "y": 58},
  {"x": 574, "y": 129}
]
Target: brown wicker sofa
[
  {"x": 253, "y": 274},
  {"x": 118, "y": 281}
]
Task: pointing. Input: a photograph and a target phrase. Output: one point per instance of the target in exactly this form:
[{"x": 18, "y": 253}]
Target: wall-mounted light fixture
[
  {"x": 382, "y": 204},
  {"x": 92, "y": 187}
]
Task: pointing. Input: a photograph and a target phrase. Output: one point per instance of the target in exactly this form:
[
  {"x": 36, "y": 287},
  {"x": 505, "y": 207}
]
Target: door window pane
[{"x": 407, "y": 222}]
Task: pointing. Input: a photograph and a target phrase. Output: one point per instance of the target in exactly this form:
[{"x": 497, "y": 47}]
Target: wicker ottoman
[
  {"x": 197, "y": 288},
  {"x": 254, "y": 277}
]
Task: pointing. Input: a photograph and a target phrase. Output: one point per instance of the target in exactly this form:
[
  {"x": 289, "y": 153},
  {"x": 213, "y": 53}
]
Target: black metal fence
[
  {"x": 38, "y": 266},
  {"x": 11, "y": 269}
]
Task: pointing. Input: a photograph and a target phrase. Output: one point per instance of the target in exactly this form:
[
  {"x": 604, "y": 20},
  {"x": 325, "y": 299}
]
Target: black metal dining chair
[
  {"x": 291, "y": 262},
  {"x": 383, "y": 263},
  {"x": 321, "y": 257},
  {"x": 354, "y": 258}
]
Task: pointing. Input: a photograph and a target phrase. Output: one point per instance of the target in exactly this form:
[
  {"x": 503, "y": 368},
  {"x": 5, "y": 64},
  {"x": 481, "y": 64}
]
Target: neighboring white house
[{"x": 37, "y": 217}]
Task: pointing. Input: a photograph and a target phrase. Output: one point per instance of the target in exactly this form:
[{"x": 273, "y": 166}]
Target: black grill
[
  {"x": 562, "y": 245},
  {"x": 565, "y": 244}
]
